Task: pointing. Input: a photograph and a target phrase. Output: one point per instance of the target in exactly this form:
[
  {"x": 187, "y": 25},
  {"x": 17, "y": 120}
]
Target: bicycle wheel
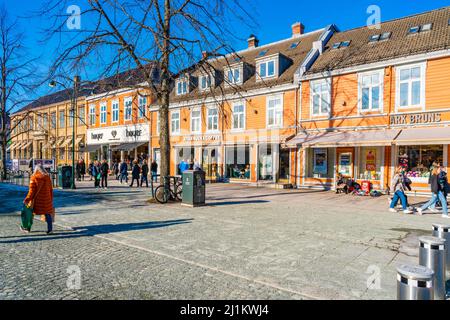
[
  {"x": 179, "y": 191},
  {"x": 161, "y": 194}
]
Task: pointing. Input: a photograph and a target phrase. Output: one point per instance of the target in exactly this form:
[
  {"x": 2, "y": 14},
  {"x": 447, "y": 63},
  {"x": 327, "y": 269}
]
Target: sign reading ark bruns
[
  {"x": 416, "y": 118},
  {"x": 119, "y": 134}
]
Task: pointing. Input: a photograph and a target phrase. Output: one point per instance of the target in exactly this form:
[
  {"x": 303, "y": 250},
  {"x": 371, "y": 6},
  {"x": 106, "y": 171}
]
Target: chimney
[
  {"x": 297, "y": 29},
  {"x": 204, "y": 55},
  {"x": 252, "y": 41}
]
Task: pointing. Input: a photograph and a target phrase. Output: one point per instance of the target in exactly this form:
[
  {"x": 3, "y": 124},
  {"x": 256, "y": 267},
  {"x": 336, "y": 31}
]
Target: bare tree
[
  {"x": 167, "y": 35},
  {"x": 16, "y": 78}
]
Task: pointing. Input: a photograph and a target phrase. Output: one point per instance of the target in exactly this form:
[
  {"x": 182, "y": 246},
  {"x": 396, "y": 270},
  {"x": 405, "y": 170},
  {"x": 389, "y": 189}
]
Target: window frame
[
  {"x": 361, "y": 75},
  {"x": 172, "y": 131},
  {"x": 104, "y": 112},
  {"x": 216, "y": 116},
  {"x": 209, "y": 84},
  {"x": 142, "y": 112},
  {"x": 398, "y": 83},
  {"x": 125, "y": 108},
  {"x": 117, "y": 111},
  {"x": 199, "y": 117},
  {"x": 266, "y": 62},
  {"x": 62, "y": 120},
  {"x": 184, "y": 82},
  {"x": 327, "y": 81},
  {"x": 92, "y": 115},
  {"x": 233, "y": 69},
  {"x": 268, "y": 99},
  {"x": 237, "y": 104}
]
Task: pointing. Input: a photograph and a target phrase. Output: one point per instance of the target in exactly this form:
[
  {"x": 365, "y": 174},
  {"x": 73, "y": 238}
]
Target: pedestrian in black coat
[
  {"x": 135, "y": 173},
  {"x": 104, "y": 168},
  {"x": 144, "y": 175}
]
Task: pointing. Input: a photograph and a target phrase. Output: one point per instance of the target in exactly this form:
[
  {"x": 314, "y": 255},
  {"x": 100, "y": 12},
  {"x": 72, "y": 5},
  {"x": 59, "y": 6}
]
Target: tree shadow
[
  {"x": 89, "y": 231},
  {"x": 229, "y": 203}
]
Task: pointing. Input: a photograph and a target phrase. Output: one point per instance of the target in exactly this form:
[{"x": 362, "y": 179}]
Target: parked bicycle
[{"x": 170, "y": 189}]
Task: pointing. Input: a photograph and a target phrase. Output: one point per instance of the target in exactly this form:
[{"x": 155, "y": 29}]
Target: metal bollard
[
  {"x": 432, "y": 255},
  {"x": 414, "y": 283},
  {"x": 443, "y": 231}
]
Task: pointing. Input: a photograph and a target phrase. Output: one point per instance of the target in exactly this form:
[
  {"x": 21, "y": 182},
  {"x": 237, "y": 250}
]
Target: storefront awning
[
  {"x": 368, "y": 138},
  {"x": 91, "y": 148},
  {"x": 67, "y": 142},
  {"x": 11, "y": 146},
  {"x": 128, "y": 146},
  {"x": 48, "y": 145},
  {"x": 26, "y": 145},
  {"x": 423, "y": 136},
  {"x": 59, "y": 142}
]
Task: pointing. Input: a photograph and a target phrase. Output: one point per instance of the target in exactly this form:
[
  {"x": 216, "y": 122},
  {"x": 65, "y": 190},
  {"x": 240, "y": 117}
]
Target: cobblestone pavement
[{"x": 248, "y": 243}]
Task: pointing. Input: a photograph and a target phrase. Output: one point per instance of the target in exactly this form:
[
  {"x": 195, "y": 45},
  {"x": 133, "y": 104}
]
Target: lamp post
[{"x": 73, "y": 101}]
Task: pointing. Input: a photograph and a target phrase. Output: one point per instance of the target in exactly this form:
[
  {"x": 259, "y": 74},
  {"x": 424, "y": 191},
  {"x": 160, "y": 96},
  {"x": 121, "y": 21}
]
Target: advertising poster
[
  {"x": 345, "y": 161},
  {"x": 371, "y": 157},
  {"x": 320, "y": 161}
]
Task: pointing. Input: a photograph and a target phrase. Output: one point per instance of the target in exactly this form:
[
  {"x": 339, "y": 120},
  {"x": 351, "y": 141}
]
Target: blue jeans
[
  {"x": 433, "y": 200},
  {"x": 48, "y": 219},
  {"x": 399, "y": 195},
  {"x": 123, "y": 176}
]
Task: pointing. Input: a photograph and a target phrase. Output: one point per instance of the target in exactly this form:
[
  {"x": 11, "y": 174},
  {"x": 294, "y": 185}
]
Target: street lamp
[{"x": 76, "y": 82}]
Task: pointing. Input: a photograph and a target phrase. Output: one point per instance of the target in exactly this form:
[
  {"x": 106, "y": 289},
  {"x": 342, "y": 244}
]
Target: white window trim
[
  {"x": 181, "y": 80},
  {"x": 207, "y": 119},
  {"x": 274, "y": 97},
  {"x": 142, "y": 112},
  {"x": 200, "y": 126},
  {"x": 103, "y": 104},
  {"x": 311, "y": 98},
  {"x": 380, "y": 73},
  {"x": 276, "y": 63},
  {"x": 423, "y": 70},
  {"x": 112, "y": 111},
  {"x": 200, "y": 82},
  {"x": 125, "y": 100},
  {"x": 241, "y": 75},
  {"x": 157, "y": 124},
  {"x": 179, "y": 122},
  {"x": 238, "y": 103}
]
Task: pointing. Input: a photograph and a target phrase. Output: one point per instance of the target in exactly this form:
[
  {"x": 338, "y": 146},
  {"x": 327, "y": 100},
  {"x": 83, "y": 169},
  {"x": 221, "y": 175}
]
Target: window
[
  {"x": 175, "y": 122},
  {"x": 205, "y": 82},
  {"x": 262, "y": 53},
  {"x": 371, "y": 91},
  {"x": 422, "y": 28},
  {"x": 411, "y": 86},
  {"x": 103, "y": 113},
  {"x": 62, "y": 119},
  {"x": 128, "y": 108},
  {"x": 380, "y": 37},
  {"x": 53, "y": 120},
  {"x": 238, "y": 162},
  {"x": 417, "y": 159},
  {"x": 294, "y": 45},
  {"x": 274, "y": 111},
  {"x": 81, "y": 115},
  {"x": 234, "y": 76},
  {"x": 238, "y": 116},
  {"x": 71, "y": 116},
  {"x": 426, "y": 27},
  {"x": 115, "y": 111},
  {"x": 92, "y": 115},
  {"x": 182, "y": 86},
  {"x": 267, "y": 69},
  {"x": 213, "y": 119},
  {"x": 320, "y": 162},
  {"x": 414, "y": 30},
  {"x": 157, "y": 123},
  {"x": 370, "y": 163},
  {"x": 343, "y": 44},
  {"x": 62, "y": 154},
  {"x": 196, "y": 117},
  {"x": 45, "y": 120},
  {"x": 321, "y": 97},
  {"x": 142, "y": 107}
]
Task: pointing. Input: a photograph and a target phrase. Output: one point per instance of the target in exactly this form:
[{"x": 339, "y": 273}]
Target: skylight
[
  {"x": 294, "y": 45},
  {"x": 336, "y": 45},
  {"x": 385, "y": 36},
  {"x": 262, "y": 53},
  {"x": 345, "y": 44},
  {"x": 374, "y": 38},
  {"x": 414, "y": 30},
  {"x": 426, "y": 27}
]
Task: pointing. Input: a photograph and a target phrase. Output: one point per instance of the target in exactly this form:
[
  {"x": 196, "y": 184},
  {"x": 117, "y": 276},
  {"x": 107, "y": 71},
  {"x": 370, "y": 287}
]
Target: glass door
[
  {"x": 283, "y": 172},
  {"x": 345, "y": 162}
]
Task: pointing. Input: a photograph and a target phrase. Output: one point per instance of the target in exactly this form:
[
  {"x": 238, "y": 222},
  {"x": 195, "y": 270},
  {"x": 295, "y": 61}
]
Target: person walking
[
  {"x": 104, "y": 169},
  {"x": 78, "y": 170},
  {"x": 144, "y": 174},
  {"x": 82, "y": 169},
  {"x": 116, "y": 165},
  {"x": 183, "y": 166},
  {"x": 398, "y": 186},
  {"x": 90, "y": 170},
  {"x": 439, "y": 186},
  {"x": 96, "y": 173},
  {"x": 123, "y": 172},
  {"x": 135, "y": 173},
  {"x": 154, "y": 170},
  {"x": 40, "y": 197}
]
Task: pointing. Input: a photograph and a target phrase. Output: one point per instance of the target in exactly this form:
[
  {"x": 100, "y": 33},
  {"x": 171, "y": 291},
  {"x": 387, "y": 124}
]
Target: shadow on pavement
[
  {"x": 94, "y": 230},
  {"x": 292, "y": 193},
  {"x": 229, "y": 203}
]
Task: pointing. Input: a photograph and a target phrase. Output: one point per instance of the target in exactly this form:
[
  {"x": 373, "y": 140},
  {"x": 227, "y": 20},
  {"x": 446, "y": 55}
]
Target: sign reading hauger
[
  {"x": 119, "y": 134},
  {"x": 416, "y": 118}
]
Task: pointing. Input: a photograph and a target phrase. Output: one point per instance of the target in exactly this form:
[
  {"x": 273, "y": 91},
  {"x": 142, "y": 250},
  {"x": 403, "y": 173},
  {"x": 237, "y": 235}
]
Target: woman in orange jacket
[{"x": 40, "y": 197}]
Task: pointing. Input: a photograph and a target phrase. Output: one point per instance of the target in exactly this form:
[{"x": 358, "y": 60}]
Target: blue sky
[{"x": 274, "y": 18}]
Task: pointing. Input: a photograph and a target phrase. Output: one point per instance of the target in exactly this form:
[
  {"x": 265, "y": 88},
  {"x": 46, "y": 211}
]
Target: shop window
[
  {"x": 417, "y": 160},
  {"x": 411, "y": 86},
  {"x": 320, "y": 97},
  {"x": 320, "y": 162},
  {"x": 61, "y": 154},
  {"x": 265, "y": 162},
  {"x": 175, "y": 122},
  {"x": 187, "y": 154},
  {"x": 370, "y": 163},
  {"x": 238, "y": 162},
  {"x": 371, "y": 91}
]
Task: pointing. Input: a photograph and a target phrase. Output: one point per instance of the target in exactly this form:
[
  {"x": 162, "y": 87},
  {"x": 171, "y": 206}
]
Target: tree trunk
[{"x": 164, "y": 139}]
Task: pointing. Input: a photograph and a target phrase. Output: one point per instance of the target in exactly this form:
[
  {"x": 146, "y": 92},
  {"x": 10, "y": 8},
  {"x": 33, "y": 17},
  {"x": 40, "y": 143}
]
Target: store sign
[
  {"x": 371, "y": 155},
  {"x": 202, "y": 138},
  {"x": 120, "y": 134},
  {"x": 416, "y": 118}
]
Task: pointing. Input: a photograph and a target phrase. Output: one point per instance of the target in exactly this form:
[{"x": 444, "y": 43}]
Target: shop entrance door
[
  {"x": 345, "y": 161},
  {"x": 283, "y": 171},
  {"x": 157, "y": 157},
  {"x": 209, "y": 163}
]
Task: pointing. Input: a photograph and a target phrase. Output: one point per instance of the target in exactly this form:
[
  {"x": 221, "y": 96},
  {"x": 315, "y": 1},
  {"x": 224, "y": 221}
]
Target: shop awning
[
  {"x": 67, "y": 142},
  {"x": 368, "y": 138},
  {"x": 128, "y": 146},
  {"x": 423, "y": 136},
  {"x": 59, "y": 142},
  {"x": 26, "y": 145},
  {"x": 11, "y": 146},
  {"x": 78, "y": 140},
  {"x": 91, "y": 148}
]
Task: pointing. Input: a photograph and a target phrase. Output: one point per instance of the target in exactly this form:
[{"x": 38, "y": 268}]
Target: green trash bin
[
  {"x": 65, "y": 177},
  {"x": 194, "y": 189}
]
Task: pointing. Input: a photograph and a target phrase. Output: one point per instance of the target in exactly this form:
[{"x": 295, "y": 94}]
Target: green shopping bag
[{"x": 27, "y": 217}]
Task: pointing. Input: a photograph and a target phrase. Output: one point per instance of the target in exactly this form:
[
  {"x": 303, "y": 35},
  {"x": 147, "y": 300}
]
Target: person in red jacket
[{"x": 40, "y": 197}]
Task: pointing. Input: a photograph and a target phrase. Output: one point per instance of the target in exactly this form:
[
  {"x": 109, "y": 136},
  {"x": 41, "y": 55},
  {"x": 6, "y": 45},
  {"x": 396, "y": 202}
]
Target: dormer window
[
  {"x": 205, "y": 82},
  {"x": 267, "y": 69},
  {"x": 234, "y": 75},
  {"x": 182, "y": 86}
]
